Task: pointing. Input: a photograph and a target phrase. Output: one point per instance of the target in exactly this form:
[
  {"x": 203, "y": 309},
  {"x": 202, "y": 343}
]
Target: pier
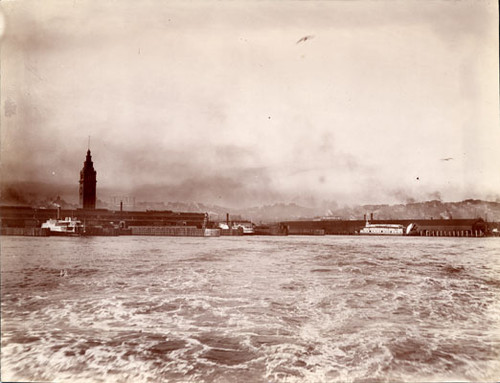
[{"x": 26, "y": 221}]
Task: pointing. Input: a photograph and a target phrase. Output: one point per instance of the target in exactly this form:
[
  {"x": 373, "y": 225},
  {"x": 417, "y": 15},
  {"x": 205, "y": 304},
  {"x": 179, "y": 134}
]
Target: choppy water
[{"x": 257, "y": 309}]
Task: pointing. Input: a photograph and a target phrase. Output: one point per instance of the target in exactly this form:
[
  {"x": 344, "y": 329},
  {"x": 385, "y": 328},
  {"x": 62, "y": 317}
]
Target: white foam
[{"x": 338, "y": 325}]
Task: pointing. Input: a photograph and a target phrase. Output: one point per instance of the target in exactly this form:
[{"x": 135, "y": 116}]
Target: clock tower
[{"x": 88, "y": 181}]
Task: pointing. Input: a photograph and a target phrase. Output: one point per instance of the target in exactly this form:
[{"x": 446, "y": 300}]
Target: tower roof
[{"x": 89, "y": 157}]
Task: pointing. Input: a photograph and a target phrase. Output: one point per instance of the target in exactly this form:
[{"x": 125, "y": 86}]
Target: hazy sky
[{"x": 222, "y": 102}]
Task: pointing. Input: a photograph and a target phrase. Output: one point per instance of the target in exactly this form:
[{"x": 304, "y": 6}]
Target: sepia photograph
[{"x": 262, "y": 191}]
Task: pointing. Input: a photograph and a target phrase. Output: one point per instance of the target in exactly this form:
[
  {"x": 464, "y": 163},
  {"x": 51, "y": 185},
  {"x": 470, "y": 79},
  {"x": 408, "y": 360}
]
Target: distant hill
[
  {"x": 419, "y": 210},
  {"x": 281, "y": 211},
  {"x": 66, "y": 196},
  {"x": 426, "y": 210}
]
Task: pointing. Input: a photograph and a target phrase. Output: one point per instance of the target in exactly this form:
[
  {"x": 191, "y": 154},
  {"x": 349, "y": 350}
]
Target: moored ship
[
  {"x": 382, "y": 229},
  {"x": 68, "y": 226},
  {"x": 246, "y": 226},
  {"x": 243, "y": 227}
]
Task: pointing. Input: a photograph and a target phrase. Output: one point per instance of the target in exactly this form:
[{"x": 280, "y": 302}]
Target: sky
[{"x": 244, "y": 103}]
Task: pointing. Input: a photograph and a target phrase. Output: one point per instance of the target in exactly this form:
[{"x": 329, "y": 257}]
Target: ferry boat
[
  {"x": 382, "y": 229},
  {"x": 67, "y": 226},
  {"x": 246, "y": 227}
]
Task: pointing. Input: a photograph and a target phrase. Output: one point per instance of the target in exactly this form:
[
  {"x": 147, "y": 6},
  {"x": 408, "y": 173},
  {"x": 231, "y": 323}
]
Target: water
[{"x": 253, "y": 309}]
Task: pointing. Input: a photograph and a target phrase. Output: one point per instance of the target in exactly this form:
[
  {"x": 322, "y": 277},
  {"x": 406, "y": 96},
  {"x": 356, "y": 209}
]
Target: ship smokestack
[
  {"x": 364, "y": 217},
  {"x": 121, "y": 206},
  {"x": 371, "y": 216},
  {"x": 59, "y": 212},
  {"x": 227, "y": 219}
]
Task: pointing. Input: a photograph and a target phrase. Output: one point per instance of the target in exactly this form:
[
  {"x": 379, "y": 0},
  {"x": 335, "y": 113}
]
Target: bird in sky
[
  {"x": 446, "y": 159},
  {"x": 305, "y": 38}
]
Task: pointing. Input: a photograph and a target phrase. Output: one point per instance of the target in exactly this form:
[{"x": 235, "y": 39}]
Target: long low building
[
  {"x": 421, "y": 227},
  {"x": 25, "y": 216},
  {"x": 29, "y": 217}
]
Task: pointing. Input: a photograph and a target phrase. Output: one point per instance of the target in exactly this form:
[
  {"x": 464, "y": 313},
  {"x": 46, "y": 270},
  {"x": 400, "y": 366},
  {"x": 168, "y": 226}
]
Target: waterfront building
[
  {"x": 88, "y": 181},
  {"x": 476, "y": 227}
]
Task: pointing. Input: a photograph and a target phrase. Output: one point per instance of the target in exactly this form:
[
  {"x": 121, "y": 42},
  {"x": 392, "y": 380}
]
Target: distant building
[
  {"x": 88, "y": 181},
  {"x": 121, "y": 202}
]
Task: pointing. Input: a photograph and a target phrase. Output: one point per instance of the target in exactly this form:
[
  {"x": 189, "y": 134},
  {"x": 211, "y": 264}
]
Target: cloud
[
  {"x": 216, "y": 100},
  {"x": 234, "y": 191},
  {"x": 435, "y": 196}
]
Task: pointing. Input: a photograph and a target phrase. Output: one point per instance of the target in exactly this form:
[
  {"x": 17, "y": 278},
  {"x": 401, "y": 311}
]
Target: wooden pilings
[
  {"x": 25, "y": 231},
  {"x": 171, "y": 231},
  {"x": 451, "y": 233}
]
